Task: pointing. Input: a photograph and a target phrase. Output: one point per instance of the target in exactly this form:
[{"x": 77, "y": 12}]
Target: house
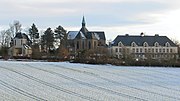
[
  {"x": 85, "y": 39},
  {"x": 144, "y": 47},
  {"x": 20, "y": 46}
]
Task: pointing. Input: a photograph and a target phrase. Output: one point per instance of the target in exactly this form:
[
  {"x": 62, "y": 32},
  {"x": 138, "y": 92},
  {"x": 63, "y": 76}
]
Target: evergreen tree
[
  {"x": 33, "y": 33},
  {"x": 61, "y": 35},
  {"x": 47, "y": 40}
]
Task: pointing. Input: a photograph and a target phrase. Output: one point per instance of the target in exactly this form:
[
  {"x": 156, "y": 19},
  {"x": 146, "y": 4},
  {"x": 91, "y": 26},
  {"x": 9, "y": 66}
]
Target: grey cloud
[{"x": 102, "y": 12}]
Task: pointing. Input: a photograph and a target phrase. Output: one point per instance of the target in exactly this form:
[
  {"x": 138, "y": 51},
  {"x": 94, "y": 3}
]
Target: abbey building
[
  {"x": 85, "y": 39},
  {"x": 144, "y": 47}
]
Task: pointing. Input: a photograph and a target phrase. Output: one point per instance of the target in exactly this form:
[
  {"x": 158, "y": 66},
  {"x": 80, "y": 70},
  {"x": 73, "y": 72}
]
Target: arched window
[
  {"x": 77, "y": 45},
  {"x": 156, "y": 44},
  {"x": 94, "y": 44},
  {"x": 83, "y": 44},
  {"x": 133, "y": 44},
  {"x": 89, "y": 45},
  {"x": 145, "y": 44}
]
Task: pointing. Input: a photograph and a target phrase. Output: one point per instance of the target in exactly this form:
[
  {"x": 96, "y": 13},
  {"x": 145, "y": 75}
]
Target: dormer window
[
  {"x": 167, "y": 44},
  {"x": 145, "y": 44},
  {"x": 120, "y": 44},
  {"x": 133, "y": 44},
  {"x": 156, "y": 44}
]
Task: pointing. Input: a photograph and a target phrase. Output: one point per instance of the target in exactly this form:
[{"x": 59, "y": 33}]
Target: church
[{"x": 85, "y": 39}]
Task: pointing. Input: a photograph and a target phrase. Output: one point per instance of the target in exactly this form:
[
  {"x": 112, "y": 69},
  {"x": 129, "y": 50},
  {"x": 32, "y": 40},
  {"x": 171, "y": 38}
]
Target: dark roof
[
  {"x": 84, "y": 30},
  {"x": 84, "y": 33},
  {"x": 100, "y": 34},
  {"x": 80, "y": 35},
  {"x": 20, "y": 35},
  {"x": 139, "y": 40},
  {"x": 72, "y": 34},
  {"x": 92, "y": 35},
  {"x": 83, "y": 22}
]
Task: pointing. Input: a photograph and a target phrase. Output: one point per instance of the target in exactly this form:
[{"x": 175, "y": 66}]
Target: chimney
[
  {"x": 126, "y": 34},
  {"x": 142, "y": 34}
]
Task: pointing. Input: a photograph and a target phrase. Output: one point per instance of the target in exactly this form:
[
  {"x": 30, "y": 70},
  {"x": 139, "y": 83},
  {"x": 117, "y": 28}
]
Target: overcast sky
[{"x": 115, "y": 17}]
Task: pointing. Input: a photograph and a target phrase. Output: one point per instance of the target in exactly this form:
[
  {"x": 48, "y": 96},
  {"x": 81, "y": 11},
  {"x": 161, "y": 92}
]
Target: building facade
[
  {"x": 20, "y": 46},
  {"x": 144, "y": 47},
  {"x": 85, "y": 39}
]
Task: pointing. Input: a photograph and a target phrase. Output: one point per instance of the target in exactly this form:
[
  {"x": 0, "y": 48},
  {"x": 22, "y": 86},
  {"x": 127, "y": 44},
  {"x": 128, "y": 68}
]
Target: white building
[
  {"x": 20, "y": 46},
  {"x": 144, "y": 47}
]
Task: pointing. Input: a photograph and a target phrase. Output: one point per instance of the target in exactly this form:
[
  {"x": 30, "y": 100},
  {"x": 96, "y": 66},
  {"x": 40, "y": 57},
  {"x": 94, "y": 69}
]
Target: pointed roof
[
  {"x": 80, "y": 35},
  {"x": 83, "y": 22},
  {"x": 84, "y": 29},
  {"x": 83, "y": 33}
]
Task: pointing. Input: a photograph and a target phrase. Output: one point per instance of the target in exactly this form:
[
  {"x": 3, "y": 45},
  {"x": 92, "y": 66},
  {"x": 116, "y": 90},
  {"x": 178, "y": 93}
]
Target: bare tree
[
  {"x": 5, "y": 38},
  {"x": 15, "y": 27}
]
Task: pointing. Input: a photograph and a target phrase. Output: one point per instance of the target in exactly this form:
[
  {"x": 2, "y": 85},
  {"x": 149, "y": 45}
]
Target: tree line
[
  {"x": 48, "y": 43},
  {"x": 51, "y": 44}
]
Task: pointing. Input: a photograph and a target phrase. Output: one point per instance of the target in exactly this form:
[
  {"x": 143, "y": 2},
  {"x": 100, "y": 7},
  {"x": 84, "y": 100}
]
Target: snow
[
  {"x": 72, "y": 34},
  {"x": 97, "y": 36},
  {"x": 82, "y": 35},
  {"x": 63, "y": 81}
]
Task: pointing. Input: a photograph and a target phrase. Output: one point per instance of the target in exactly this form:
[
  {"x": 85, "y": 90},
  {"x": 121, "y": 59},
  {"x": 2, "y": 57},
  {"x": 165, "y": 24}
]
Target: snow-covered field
[{"x": 61, "y": 81}]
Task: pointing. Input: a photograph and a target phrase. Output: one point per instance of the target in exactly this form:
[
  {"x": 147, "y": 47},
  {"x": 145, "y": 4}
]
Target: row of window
[
  {"x": 15, "y": 42},
  {"x": 151, "y": 56},
  {"x": 133, "y": 44},
  {"x": 141, "y": 50},
  {"x": 154, "y": 56}
]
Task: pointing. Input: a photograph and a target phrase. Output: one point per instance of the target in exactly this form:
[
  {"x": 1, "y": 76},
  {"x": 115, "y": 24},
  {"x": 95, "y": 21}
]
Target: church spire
[
  {"x": 84, "y": 29},
  {"x": 83, "y": 22}
]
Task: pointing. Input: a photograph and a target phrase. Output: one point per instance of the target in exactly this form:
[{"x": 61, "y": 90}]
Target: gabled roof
[
  {"x": 20, "y": 35},
  {"x": 84, "y": 30},
  {"x": 84, "y": 33},
  {"x": 139, "y": 40},
  {"x": 72, "y": 34},
  {"x": 97, "y": 35},
  {"x": 100, "y": 34},
  {"x": 92, "y": 35},
  {"x": 80, "y": 35}
]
